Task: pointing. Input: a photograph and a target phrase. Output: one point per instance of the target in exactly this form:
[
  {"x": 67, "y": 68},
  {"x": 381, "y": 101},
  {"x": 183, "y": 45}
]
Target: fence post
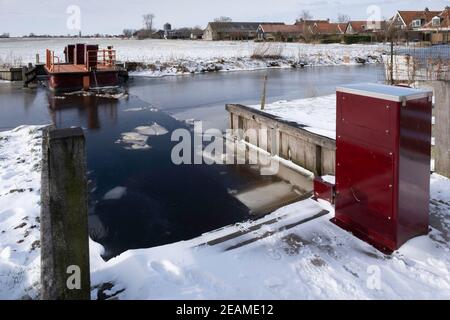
[{"x": 64, "y": 225}]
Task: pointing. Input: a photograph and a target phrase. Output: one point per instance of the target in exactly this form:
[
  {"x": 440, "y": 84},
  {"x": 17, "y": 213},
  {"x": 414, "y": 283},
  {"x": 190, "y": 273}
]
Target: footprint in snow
[{"x": 169, "y": 271}]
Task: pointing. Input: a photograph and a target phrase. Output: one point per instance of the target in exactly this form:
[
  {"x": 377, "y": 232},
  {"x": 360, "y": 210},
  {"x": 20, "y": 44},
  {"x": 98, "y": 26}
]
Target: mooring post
[
  {"x": 263, "y": 96},
  {"x": 24, "y": 76},
  {"x": 64, "y": 222}
]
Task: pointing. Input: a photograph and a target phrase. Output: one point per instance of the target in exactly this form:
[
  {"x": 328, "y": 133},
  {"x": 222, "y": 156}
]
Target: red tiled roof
[
  {"x": 358, "y": 26},
  {"x": 271, "y": 28},
  {"x": 445, "y": 20},
  {"x": 409, "y": 16},
  {"x": 330, "y": 28}
]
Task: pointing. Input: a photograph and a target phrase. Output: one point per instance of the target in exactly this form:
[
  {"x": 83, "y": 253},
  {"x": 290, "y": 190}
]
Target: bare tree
[
  {"x": 128, "y": 33},
  {"x": 148, "y": 21},
  {"x": 305, "y": 15},
  {"x": 342, "y": 18},
  {"x": 223, "y": 19}
]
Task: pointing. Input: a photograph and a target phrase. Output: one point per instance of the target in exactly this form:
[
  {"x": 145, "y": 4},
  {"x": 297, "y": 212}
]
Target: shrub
[
  {"x": 267, "y": 50},
  {"x": 357, "y": 38},
  {"x": 333, "y": 39}
]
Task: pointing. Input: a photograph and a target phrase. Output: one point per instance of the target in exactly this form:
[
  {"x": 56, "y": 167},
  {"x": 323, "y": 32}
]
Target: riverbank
[
  {"x": 157, "y": 58},
  {"x": 313, "y": 260}
]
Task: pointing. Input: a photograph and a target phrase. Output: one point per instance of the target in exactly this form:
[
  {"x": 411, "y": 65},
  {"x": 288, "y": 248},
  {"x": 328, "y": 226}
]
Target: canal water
[{"x": 138, "y": 197}]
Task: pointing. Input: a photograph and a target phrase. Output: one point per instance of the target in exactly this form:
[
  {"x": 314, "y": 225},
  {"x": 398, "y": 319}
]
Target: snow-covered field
[
  {"x": 312, "y": 260},
  {"x": 173, "y": 57}
]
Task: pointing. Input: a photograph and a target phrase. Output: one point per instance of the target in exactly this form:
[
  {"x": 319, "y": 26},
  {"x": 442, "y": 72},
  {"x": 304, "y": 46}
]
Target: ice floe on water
[
  {"x": 133, "y": 140},
  {"x": 153, "y": 130},
  {"x": 137, "y": 140},
  {"x": 106, "y": 92},
  {"x": 115, "y": 193},
  {"x": 149, "y": 108}
]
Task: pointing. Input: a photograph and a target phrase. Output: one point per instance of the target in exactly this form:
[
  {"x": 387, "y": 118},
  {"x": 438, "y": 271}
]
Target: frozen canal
[{"x": 139, "y": 198}]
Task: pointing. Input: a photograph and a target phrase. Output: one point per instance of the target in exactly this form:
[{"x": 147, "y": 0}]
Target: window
[
  {"x": 416, "y": 23},
  {"x": 436, "y": 22}
]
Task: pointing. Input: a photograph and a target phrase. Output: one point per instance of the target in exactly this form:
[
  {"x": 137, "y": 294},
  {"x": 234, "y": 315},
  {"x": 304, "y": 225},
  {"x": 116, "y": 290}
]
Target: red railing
[
  {"x": 50, "y": 59},
  {"x": 105, "y": 58}
]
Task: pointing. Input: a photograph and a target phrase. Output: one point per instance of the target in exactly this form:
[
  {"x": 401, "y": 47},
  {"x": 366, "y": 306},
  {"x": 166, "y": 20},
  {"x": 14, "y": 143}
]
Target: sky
[{"x": 21, "y": 17}]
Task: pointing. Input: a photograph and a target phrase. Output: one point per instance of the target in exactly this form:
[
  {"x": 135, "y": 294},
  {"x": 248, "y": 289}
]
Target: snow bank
[
  {"x": 20, "y": 169},
  {"x": 175, "y": 57}
]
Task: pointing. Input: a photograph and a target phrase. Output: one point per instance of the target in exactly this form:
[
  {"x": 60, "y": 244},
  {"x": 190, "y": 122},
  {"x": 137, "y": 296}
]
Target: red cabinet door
[{"x": 364, "y": 185}]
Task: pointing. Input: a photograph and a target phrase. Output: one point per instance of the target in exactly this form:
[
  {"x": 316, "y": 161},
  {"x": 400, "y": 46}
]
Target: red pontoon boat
[{"x": 85, "y": 67}]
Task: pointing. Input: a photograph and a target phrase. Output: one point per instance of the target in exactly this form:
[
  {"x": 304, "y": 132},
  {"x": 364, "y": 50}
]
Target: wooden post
[
  {"x": 24, "y": 77},
  {"x": 391, "y": 69},
  {"x": 263, "y": 96},
  {"x": 64, "y": 224}
]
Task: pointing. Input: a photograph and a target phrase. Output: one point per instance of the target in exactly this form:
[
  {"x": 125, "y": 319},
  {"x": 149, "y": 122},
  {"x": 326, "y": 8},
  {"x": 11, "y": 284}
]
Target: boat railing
[
  {"x": 50, "y": 59},
  {"x": 101, "y": 58}
]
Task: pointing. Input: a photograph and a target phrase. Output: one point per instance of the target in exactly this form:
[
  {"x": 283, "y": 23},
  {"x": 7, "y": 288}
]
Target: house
[
  {"x": 413, "y": 20},
  {"x": 181, "y": 33},
  {"x": 196, "y": 34},
  {"x": 327, "y": 28},
  {"x": 158, "y": 34},
  {"x": 437, "y": 30},
  {"x": 233, "y": 30},
  {"x": 279, "y": 32},
  {"x": 364, "y": 27}
]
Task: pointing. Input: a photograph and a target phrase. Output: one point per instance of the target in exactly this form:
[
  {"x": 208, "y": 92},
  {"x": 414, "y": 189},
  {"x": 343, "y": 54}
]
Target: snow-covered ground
[
  {"x": 311, "y": 260},
  {"x": 317, "y": 114},
  {"x": 20, "y": 177},
  {"x": 174, "y": 57}
]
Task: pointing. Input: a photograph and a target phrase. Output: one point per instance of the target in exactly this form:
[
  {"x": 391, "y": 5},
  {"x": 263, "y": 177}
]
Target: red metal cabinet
[
  {"x": 323, "y": 190},
  {"x": 383, "y": 141}
]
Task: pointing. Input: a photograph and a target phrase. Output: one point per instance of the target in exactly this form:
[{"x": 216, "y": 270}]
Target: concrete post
[
  {"x": 441, "y": 91},
  {"x": 442, "y": 130},
  {"x": 64, "y": 225}
]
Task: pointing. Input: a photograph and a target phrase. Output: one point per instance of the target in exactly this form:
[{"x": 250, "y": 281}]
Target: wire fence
[{"x": 409, "y": 64}]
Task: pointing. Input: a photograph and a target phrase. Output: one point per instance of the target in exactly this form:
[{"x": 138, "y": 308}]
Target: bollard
[{"x": 64, "y": 224}]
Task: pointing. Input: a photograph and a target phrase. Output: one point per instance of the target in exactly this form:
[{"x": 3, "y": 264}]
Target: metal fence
[{"x": 412, "y": 63}]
